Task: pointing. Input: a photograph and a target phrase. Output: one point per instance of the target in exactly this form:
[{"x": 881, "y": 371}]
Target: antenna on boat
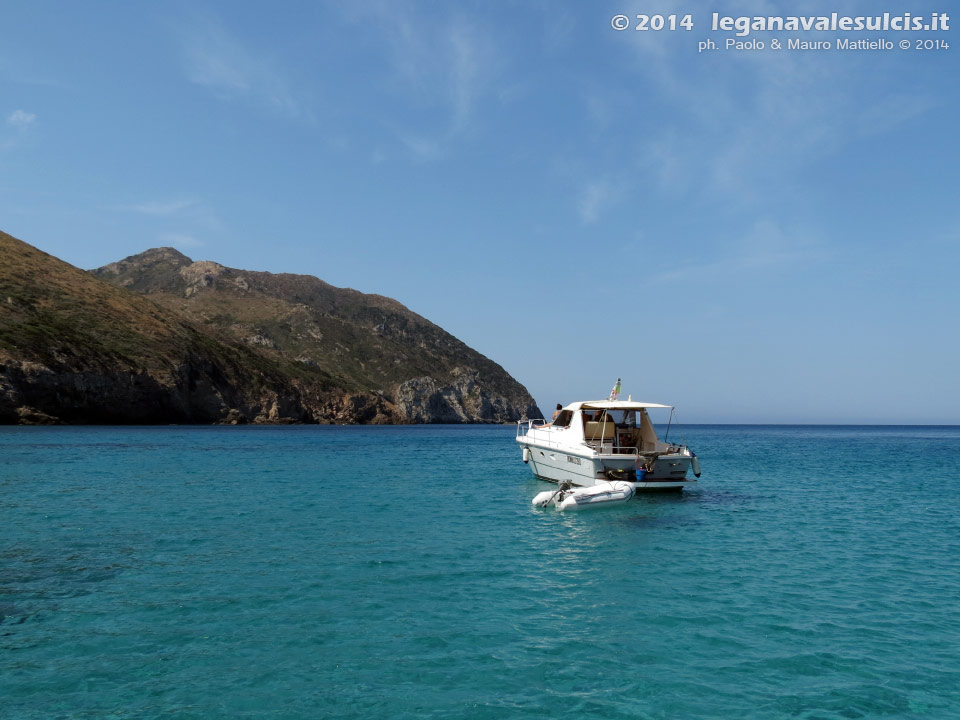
[{"x": 666, "y": 436}]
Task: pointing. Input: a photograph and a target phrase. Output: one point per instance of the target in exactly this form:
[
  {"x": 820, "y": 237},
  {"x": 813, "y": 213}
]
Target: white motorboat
[{"x": 602, "y": 441}]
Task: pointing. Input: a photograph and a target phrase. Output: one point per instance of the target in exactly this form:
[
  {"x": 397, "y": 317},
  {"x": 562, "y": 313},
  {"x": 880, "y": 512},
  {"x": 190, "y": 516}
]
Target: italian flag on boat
[{"x": 615, "y": 393}]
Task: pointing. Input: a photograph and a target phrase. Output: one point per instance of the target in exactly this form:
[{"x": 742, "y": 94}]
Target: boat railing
[
  {"x": 525, "y": 426},
  {"x": 613, "y": 449}
]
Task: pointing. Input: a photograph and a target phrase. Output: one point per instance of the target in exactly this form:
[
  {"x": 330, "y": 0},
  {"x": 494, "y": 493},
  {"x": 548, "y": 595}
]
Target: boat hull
[
  {"x": 670, "y": 467},
  {"x": 557, "y": 465}
]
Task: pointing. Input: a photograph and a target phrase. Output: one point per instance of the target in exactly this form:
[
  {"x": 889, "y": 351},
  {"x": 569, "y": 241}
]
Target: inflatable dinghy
[{"x": 569, "y": 498}]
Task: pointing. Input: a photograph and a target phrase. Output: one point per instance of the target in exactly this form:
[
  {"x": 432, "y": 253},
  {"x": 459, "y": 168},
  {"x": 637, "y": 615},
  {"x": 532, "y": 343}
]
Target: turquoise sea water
[{"x": 306, "y": 572}]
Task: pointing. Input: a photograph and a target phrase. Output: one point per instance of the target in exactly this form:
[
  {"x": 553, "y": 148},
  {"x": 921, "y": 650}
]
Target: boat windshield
[{"x": 563, "y": 419}]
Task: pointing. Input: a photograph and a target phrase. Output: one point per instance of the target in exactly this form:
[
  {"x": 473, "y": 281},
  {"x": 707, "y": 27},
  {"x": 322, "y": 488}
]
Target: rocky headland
[{"x": 159, "y": 338}]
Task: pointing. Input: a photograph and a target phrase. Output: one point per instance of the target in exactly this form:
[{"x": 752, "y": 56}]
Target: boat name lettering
[{"x": 572, "y": 459}]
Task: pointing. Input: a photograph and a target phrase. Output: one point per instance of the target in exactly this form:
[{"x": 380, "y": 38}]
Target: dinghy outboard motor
[{"x": 548, "y": 496}]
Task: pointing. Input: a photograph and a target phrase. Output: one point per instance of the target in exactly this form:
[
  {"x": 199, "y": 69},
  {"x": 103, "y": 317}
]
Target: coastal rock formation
[
  {"x": 158, "y": 338},
  {"x": 426, "y": 400}
]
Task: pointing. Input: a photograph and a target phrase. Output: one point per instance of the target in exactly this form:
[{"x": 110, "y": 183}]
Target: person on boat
[{"x": 555, "y": 413}]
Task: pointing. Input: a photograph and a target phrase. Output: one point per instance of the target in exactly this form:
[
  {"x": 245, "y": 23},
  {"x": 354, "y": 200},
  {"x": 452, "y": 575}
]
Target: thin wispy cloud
[
  {"x": 764, "y": 248},
  {"x": 595, "y": 198},
  {"x": 21, "y": 119},
  {"x": 779, "y": 111},
  {"x": 471, "y": 57},
  {"x": 559, "y": 26},
  {"x": 891, "y": 112},
  {"x": 20, "y": 123},
  {"x": 665, "y": 155},
  {"x": 180, "y": 240},
  {"x": 182, "y": 210},
  {"x": 441, "y": 61},
  {"x": 216, "y": 59},
  {"x": 170, "y": 207},
  {"x": 178, "y": 222},
  {"x": 422, "y": 148}
]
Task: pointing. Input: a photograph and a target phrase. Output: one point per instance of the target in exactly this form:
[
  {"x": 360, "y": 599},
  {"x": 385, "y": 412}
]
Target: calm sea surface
[{"x": 309, "y": 572}]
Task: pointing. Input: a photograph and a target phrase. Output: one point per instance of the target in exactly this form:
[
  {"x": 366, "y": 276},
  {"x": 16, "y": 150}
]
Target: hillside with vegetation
[{"x": 158, "y": 338}]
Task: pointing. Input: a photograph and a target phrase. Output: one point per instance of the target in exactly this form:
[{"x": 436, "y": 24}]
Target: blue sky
[{"x": 752, "y": 236}]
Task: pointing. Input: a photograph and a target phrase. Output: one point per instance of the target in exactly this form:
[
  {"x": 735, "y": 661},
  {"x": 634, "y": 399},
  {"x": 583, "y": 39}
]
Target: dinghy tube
[{"x": 607, "y": 493}]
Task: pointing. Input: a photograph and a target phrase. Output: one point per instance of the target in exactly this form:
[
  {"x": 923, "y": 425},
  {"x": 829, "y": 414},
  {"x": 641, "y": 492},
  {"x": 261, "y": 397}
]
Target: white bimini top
[{"x": 613, "y": 405}]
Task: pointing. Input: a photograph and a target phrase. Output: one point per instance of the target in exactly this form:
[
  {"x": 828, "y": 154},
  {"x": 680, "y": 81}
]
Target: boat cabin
[{"x": 611, "y": 427}]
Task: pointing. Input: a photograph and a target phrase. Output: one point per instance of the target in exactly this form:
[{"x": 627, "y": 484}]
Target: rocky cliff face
[
  {"x": 424, "y": 400},
  {"x": 170, "y": 340}
]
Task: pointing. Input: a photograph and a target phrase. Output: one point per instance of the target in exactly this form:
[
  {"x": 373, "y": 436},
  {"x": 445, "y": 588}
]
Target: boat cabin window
[
  {"x": 563, "y": 419},
  {"x": 620, "y": 418}
]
